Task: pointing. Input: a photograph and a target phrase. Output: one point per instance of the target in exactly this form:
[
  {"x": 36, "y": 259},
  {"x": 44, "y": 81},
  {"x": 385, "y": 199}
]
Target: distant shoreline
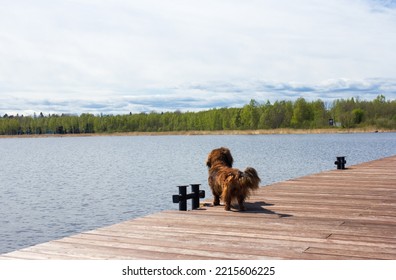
[{"x": 205, "y": 132}]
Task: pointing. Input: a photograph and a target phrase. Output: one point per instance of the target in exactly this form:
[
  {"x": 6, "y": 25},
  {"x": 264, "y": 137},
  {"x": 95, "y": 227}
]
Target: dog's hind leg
[
  {"x": 216, "y": 200},
  {"x": 227, "y": 197},
  {"x": 242, "y": 207},
  {"x": 227, "y": 206}
]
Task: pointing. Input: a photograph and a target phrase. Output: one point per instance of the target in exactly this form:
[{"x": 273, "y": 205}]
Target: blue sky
[{"x": 121, "y": 56}]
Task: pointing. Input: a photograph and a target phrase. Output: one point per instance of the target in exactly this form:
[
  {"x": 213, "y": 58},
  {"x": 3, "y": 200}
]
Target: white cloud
[{"x": 101, "y": 56}]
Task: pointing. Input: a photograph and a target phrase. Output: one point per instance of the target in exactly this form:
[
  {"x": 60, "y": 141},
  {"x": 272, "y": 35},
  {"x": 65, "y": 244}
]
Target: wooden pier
[{"x": 338, "y": 214}]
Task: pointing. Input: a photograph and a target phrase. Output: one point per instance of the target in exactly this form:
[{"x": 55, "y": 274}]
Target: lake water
[{"x": 55, "y": 187}]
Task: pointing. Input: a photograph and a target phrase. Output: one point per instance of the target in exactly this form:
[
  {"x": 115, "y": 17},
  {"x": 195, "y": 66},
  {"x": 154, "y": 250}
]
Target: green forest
[{"x": 299, "y": 114}]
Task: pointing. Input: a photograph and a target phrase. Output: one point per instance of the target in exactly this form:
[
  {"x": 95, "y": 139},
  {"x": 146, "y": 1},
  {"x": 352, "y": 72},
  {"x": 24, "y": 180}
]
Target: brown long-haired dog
[{"x": 229, "y": 183}]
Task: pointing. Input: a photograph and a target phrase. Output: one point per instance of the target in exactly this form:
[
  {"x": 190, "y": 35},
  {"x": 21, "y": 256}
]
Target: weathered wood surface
[{"x": 339, "y": 214}]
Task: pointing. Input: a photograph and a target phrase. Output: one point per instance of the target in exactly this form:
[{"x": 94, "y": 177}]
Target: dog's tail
[{"x": 249, "y": 179}]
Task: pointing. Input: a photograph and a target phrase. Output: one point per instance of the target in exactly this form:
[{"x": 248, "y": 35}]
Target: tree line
[{"x": 346, "y": 113}]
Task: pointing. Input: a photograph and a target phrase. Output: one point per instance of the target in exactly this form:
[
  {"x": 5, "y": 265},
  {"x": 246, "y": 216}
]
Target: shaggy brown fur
[{"x": 229, "y": 183}]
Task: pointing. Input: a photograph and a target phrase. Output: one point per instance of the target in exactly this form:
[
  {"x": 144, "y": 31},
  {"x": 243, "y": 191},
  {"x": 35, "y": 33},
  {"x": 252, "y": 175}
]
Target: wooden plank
[
  {"x": 348, "y": 254},
  {"x": 375, "y": 241},
  {"x": 193, "y": 247}
]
